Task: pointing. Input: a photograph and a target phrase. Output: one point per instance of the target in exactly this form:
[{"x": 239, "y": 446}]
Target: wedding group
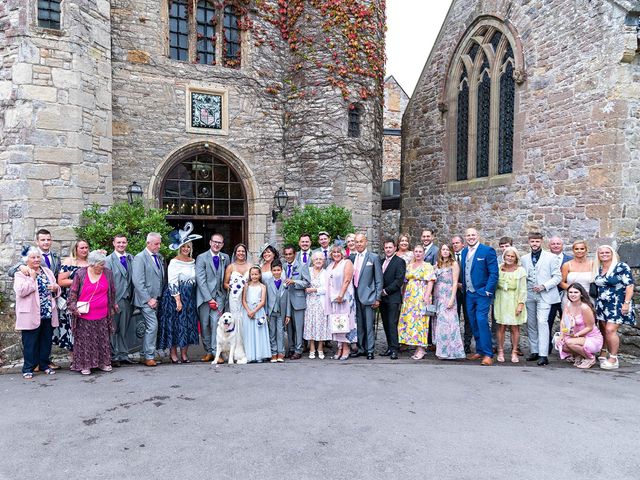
[{"x": 299, "y": 301}]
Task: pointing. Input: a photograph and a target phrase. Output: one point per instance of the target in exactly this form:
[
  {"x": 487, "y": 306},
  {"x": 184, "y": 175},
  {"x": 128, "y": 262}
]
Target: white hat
[{"x": 180, "y": 237}]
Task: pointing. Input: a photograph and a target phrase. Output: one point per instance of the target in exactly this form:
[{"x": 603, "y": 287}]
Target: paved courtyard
[{"x": 323, "y": 419}]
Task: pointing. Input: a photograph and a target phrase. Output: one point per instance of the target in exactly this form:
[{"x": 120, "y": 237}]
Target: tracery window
[
  {"x": 49, "y": 14},
  {"x": 481, "y": 102},
  {"x": 196, "y": 25}
]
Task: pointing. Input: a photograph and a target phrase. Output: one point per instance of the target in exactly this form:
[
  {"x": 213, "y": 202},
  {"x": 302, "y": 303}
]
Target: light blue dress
[{"x": 255, "y": 336}]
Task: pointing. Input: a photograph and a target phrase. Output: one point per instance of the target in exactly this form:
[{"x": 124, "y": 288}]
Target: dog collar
[{"x": 229, "y": 331}]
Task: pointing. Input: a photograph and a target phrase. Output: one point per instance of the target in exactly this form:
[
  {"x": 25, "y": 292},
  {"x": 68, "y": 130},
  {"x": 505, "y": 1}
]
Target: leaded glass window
[
  {"x": 206, "y": 110},
  {"x": 355, "y": 114},
  {"x": 178, "y": 30},
  {"x": 49, "y": 14},
  {"x": 481, "y": 128},
  {"x": 231, "y": 37},
  {"x": 206, "y": 20},
  {"x": 205, "y": 186}
]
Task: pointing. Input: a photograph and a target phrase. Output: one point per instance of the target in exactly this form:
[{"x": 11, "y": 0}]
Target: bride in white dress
[{"x": 235, "y": 279}]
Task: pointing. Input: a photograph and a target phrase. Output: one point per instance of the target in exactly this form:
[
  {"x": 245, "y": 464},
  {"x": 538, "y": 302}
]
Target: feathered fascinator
[{"x": 180, "y": 237}]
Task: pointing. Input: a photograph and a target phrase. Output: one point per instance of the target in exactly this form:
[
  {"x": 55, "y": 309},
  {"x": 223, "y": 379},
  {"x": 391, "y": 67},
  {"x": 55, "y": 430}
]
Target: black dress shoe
[
  {"x": 356, "y": 354},
  {"x": 393, "y": 356},
  {"x": 369, "y": 356},
  {"x": 386, "y": 354},
  {"x": 543, "y": 361},
  {"x": 533, "y": 357},
  {"x": 115, "y": 363}
]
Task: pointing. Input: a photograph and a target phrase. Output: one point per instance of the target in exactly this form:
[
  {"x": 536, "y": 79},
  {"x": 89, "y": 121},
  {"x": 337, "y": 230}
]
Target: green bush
[
  {"x": 98, "y": 227},
  {"x": 310, "y": 219}
]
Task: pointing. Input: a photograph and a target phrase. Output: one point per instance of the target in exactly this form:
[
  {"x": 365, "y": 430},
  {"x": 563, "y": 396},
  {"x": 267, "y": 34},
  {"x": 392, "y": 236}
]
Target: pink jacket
[{"x": 28, "y": 301}]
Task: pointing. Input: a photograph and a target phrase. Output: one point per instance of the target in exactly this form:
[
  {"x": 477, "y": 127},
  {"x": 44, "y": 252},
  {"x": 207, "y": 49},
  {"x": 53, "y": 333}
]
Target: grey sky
[{"x": 412, "y": 27}]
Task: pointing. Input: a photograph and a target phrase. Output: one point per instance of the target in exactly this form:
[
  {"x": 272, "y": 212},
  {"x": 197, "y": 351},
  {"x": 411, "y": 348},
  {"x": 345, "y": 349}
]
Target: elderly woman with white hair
[
  {"x": 92, "y": 303},
  {"x": 614, "y": 283},
  {"x": 316, "y": 324},
  {"x": 36, "y": 312}
]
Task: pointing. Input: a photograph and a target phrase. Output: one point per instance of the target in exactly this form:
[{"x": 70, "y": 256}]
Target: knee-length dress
[
  {"x": 316, "y": 321},
  {"x": 255, "y": 331},
  {"x": 592, "y": 341},
  {"x": 179, "y": 329},
  {"x": 511, "y": 290},
  {"x": 611, "y": 292},
  {"x": 334, "y": 280},
  {"x": 447, "y": 330},
  {"x": 62, "y": 334},
  {"x": 413, "y": 326}
]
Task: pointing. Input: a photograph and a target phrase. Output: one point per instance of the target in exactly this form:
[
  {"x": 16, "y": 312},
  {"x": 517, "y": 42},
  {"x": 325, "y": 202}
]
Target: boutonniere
[{"x": 294, "y": 271}]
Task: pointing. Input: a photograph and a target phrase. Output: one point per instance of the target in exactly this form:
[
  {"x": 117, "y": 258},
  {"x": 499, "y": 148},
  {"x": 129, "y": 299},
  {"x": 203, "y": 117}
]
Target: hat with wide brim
[
  {"x": 179, "y": 237},
  {"x": 264, "y": 247}
]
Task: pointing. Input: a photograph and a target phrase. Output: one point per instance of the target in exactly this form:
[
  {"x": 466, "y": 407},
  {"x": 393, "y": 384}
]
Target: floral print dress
[
  {"x": 62, "y": 335},
  {"x": 611, "y": 291},
  {"x": 413, "y": 327}
]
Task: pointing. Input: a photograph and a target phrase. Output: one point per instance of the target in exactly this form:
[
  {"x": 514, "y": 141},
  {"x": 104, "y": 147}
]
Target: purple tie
[
  {"x": 278, "y": 282},
  {"x": 325, "y": 255},
  {"x": 216, "y": 261},
  {"x": 46, "y": 260},
  {"x": 155, "y": 257},
  {"x": 304, "y": 257},
  {"x": 123, "y": 261},
  {"x": 289, "y": 270}
]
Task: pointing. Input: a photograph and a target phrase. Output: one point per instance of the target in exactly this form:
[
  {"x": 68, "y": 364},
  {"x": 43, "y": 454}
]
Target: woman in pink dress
[
  {"x": 92, "y": 327},
  {"x": 339, "y": 299},
  {"x": 581, "y": 339}
]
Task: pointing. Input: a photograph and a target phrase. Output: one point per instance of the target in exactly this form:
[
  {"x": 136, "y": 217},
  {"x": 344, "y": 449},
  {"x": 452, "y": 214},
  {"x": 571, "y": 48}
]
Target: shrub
[
  {"x": 98, "y": 227},
  {"x": 310, "y": 219}
]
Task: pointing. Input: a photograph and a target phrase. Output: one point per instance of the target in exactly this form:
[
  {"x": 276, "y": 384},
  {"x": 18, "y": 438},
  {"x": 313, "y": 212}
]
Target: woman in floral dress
[
  {"x": 447, "y": 329},
  {"x": 316, "y": 324},
  {"x": 613, "y": 305},
  {"x": 62, "y": 335},
  {"x": 339, "y": 299},
  {"x": 413, "y": 326}
]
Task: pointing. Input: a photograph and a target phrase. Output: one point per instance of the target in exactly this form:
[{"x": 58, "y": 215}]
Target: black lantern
[
  {"x": 280, "y": 198},
  {"x": 134, "y": 193}
]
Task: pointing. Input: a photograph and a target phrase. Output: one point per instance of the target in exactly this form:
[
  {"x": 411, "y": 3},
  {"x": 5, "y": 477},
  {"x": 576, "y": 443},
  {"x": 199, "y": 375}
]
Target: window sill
[
  {"x": 51, "y": 32},
  {"x": 480, "y": 183}
]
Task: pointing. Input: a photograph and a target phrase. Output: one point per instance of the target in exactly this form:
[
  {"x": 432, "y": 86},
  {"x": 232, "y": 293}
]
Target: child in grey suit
[{"x": 276, "y": 308}]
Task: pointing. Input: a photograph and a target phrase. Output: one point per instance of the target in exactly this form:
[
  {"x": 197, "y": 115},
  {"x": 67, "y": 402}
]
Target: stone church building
[
  {"x": 527, "y": 117},
  {"x": 206, "y": 105}
]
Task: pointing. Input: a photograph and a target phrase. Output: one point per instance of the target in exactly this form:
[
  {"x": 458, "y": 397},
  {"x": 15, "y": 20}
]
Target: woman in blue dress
[
  {"x": 614, "y": 281},
  {"x": 178, "y": 316}
]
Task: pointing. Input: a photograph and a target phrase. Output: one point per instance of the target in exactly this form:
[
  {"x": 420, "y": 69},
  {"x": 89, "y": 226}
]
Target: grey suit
[
  {"x": 209, "y": 281},
  {"x": 122, "y": 279},
  {"x": 368, "y": 291},
  {"x": 300, "y": 258},
  {"x": 297, "y": 303},
  {"x": 276, "y": 308},
  {"x": 431, "y": 255},
  {"x": 148, "y": 281},
  {"x": 545, "y": 272}
]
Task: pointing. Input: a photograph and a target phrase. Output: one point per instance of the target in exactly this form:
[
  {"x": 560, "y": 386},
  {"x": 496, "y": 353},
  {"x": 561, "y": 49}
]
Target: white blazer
[{"x": 546, "y": 272}]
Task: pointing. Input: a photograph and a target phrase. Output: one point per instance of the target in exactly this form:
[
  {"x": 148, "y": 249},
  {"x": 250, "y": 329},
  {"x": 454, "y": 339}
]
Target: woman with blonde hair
[
  {"x": 614, "y": 283},
  {"x": 403, "y": 248},
  {"x": 510, "y": 298},
  {"x": 579, "y": 269}
]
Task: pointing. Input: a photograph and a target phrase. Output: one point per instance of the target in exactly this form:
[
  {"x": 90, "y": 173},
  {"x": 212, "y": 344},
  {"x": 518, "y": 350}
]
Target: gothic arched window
[{"x": 481, "y": 101}]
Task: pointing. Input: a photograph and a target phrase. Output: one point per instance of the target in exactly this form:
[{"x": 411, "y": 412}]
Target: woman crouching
[{"x": 92, "y": 305}]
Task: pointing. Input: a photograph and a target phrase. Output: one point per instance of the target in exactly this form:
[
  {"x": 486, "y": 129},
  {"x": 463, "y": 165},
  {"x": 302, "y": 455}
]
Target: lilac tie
[
  {"x": 325, "y": 255},
  {"x": 304, "y": 257},
  {"x": 123, "y": 261},
  {"x": 216, "y": 261},
  {"x": 278, "y": 282},
  {"x": 46, "y": 260},
  {"x": 155, "y": 257},
  {"x": 289, "y": 270}
]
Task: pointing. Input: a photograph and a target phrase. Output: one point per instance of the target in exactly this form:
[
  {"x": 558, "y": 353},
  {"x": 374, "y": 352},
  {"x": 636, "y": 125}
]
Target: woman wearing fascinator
[
  {"x": 268, "y": 254},
  {"x": 178, "y": 318}
]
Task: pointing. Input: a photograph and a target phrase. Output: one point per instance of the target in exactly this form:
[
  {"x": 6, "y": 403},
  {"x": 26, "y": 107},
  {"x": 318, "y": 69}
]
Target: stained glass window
[
  {"x": 178, "y": 30},
  {"x": 462, "y": 128},
  {"x": 206, "y": 110},
  {"x": 203, "y": 185},
  {"x": 355, "y": 113},
  {"x": 231, "y": 37},
  {"x": 49, "y": 14},
  {"x": 206, "y": 20},
  {"x": 507, "y": 108}
]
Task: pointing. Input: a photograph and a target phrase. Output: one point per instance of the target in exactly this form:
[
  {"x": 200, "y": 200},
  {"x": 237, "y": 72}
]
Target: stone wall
[
  {"x": 395, "y": 103},
  {"x": 55, "y": 124},
  {"x": 576, "y": 164}
]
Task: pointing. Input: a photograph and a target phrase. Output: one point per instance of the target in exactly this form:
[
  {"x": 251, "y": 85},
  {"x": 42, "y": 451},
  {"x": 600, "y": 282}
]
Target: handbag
[
  {"x": 61, "y": 303},
  {"x": 430, "y": 310},
  {"x": 593, "y": 290},
  {"x": 339, "y": 322},
  {"x": 83, "y": 307}
]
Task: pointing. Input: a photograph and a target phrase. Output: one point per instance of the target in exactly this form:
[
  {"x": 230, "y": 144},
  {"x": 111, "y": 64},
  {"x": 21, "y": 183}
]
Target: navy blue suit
[{"x": 484, "y": 279}]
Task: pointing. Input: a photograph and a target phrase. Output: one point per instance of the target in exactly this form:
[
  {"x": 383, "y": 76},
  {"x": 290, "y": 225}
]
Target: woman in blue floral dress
[{"x": 613, "y": 303}]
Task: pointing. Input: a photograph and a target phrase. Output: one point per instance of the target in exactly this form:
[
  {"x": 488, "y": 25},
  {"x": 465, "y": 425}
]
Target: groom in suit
[
  {"x": 211, "y": 297},
  {"x": 120, "y": 263},
  {"x": 297, "y": 280},
  {"x": 479, "y": 272},
  {"x": 543, "y": 277},
  {"x": 367, "y": 281},
  {"x": 148, "y": 280},
  {"x": 393, "y": 272}
]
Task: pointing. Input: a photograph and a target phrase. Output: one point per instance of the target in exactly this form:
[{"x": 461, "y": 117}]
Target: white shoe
[
  {"x": 321, "y": 355},
  {"x": 312, "y": 355},
  {"x": 609, "y": 365}
]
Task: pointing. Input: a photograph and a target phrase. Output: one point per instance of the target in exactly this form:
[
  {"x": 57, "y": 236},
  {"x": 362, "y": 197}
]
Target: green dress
[{"x": 512, "y": 290}]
